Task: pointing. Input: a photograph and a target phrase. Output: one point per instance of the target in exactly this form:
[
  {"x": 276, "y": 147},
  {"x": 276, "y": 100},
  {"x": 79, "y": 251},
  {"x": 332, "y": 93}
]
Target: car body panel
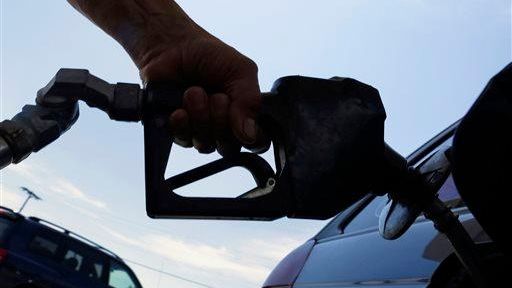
[{"x": 365, "y": 258}]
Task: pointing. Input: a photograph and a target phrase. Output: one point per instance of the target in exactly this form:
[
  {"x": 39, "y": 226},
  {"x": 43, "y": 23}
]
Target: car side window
[
  {"x": 449, "y": 194},
  {"x": 73, "y": 260},
  {"x": 368, "y": 217},
  {"x": 119, "y": 276},
  {"x": 84, "y": 260},
  {"x": 335, "y": 226},
  {"x": 44, "y": 246},
  {"x": 95, "y": 269}
]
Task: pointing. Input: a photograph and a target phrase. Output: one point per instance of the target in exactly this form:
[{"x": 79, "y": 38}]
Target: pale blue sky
[{"x": 429, "y": 60}]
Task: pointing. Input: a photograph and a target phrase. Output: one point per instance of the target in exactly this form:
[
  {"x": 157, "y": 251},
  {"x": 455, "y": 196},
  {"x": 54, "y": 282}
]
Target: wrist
[
  {"x": 141, "y": 26},
  {"x": 147, "y": 42},
  {"x": 154, "y": 30}
]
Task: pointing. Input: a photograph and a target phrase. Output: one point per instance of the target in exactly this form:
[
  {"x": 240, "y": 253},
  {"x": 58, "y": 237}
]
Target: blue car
[
  {"x": 35, "y": 253},
  {"x": 349, "y": 251}
]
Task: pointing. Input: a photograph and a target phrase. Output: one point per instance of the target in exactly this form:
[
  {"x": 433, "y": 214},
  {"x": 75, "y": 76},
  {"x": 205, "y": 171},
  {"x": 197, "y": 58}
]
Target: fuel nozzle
[
  {"x": 56, "y": 110},
  {"x": 121, "y": 101}
]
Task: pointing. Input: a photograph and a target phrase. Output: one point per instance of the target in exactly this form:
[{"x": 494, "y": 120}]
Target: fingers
[
  {"x": 247, "y": 130},
  {"x": 180, "y": 128},
  {"x": 204, "y": 123},
  {"x": 195, "y": 102},
  {"x": 246, "y": 98},
  {"x": 244, "y": 93},
  {"x": 209, "y": 122},
  {"x": 219, "y": 112}
]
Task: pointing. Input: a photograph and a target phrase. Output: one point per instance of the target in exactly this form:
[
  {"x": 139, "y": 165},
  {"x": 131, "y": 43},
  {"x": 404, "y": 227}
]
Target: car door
[{"x": 350, "y": 252}]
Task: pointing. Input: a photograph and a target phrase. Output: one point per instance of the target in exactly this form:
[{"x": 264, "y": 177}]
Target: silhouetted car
[
  {"x": 35, "y": 253},
  {"x": 349, "y": 252}
]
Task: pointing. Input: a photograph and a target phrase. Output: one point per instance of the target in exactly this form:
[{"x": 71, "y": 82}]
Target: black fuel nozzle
[
  {"x": 56, "y": 110},
  {"x": 33, "y": 128},
  {"x": 121, "y": 101},
  {"x": 328, "y": 141}
]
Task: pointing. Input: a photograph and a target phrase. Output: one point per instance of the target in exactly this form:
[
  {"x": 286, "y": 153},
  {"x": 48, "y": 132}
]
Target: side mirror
[{"x": 328, "y": 138}]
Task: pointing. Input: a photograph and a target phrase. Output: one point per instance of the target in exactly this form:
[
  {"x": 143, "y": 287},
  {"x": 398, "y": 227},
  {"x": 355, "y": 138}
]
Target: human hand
[
  {"x": 222, "y": 95},
  {"x": 220, "y": 105}
]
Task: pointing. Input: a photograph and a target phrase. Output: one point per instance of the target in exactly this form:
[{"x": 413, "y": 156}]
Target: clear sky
[{"x": 429, "y": 60}]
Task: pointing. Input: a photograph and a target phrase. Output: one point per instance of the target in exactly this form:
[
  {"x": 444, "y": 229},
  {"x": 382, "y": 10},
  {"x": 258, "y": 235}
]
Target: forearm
[{"x": 139, "y": 25}]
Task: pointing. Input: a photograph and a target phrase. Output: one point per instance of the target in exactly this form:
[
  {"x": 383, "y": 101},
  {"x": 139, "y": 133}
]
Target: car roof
[
  {"x": 9, "y": 213},
  {"x": 67, "y": 233}
]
